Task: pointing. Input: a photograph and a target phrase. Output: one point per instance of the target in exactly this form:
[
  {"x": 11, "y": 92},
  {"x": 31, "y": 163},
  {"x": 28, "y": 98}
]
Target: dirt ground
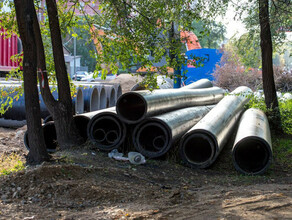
[{"x": 85, "y": 184}]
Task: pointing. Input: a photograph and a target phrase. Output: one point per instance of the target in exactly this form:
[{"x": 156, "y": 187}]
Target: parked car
[
  {"x": 79, "y": 75},
  {"x": 90, "y": 78}
]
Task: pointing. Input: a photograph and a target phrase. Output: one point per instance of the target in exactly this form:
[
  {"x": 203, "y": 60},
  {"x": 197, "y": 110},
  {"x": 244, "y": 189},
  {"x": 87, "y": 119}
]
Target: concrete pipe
[
  {"x": 91, "y": 98},
  {"x": 110, "y": 95},
  {"x": 78, "y": 101},
  {"x": 50, "y": 137},
  {"x": 105, "y": 130},
  {"x": 103, "y": 98},
  {"x": 119, "y": 92},
  {"x": 156, "y": 135},
  {"x": 252, "y": 149},
  {"x": 133, "y": 107},
  {"x": 201, "y": 145}
]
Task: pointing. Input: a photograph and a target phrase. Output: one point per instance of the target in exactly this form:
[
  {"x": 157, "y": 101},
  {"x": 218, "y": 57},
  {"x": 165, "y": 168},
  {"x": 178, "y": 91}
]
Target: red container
[{"x": 8, "y": 48}]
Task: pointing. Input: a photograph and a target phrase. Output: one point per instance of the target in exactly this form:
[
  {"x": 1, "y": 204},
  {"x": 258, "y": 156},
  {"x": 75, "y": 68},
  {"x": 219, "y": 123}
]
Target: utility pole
[{"x": 74, "y": 70}]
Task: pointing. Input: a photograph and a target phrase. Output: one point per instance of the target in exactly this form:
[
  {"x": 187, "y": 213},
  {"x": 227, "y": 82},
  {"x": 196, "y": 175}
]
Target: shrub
[
  {"x": 230, "y": 74},
  {"x": 285, "y": 107}
]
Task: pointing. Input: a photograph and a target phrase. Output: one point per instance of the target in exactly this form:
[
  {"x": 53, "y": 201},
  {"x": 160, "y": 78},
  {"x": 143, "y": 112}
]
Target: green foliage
[
  {"x": 248, "y": 50},
  {"x": 137, "y": 30},
  {"x": 285, "y": 107},
  {"x": 209, "y": 33}
]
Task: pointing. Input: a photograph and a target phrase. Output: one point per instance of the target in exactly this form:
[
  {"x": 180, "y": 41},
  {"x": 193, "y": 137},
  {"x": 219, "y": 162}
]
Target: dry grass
[{"x": 10, "y": 163}]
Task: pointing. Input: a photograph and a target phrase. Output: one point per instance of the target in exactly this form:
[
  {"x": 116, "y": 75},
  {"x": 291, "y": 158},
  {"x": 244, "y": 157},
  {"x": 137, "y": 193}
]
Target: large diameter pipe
[
  {"x": 105, "y": 130},
  {"x": 78, "y": 101},
  {"x": 154, "y": 136},
  {"x": 201, "y": 145},
  {"x": 91, "y": 98},
  {"x": 133, "y": 107},
  {"x": 252, "y": 149},
  {"x": 202, "y": 83},
  {"x": 110, "y": 94},
  {"x": 50, "y": 137},
  {"x": 17, "y": 111}
]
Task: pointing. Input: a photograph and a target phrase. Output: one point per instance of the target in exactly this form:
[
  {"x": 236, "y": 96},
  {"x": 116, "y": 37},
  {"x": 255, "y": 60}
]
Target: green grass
[
  {"x": 282, "y": 149},
  {"x": 11, "y": 163}
]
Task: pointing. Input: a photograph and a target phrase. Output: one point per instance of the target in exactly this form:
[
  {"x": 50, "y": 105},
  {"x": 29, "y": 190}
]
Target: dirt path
[{"x": 85, "y": 184}]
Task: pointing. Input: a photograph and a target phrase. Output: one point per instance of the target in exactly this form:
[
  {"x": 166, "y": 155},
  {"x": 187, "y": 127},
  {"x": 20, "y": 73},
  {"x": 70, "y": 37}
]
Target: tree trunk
[
  {"x": 267, "y": 65},
  {"x": 38, "y": 152},
  {"x": 67, "y": 133}
]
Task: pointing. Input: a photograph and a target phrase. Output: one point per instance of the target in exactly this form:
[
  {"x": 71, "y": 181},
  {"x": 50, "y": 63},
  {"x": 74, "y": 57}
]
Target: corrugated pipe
[
  {"x": 252, "y": 149},
  {"x": 201, "y": 145},
  {"x": 133, "y": 107},
  {"x": 156, "y": 135},
  {"x": 105, "y": 130}
]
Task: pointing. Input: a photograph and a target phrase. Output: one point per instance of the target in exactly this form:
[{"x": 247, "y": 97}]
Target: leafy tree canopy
[{"x": 210, "y": 34}]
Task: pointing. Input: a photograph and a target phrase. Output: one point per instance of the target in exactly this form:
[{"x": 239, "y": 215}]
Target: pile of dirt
[
  {"x": 92, "y": 186},
  {"x": 127, "y": 81},
  {"x": 83, "y": 183}
]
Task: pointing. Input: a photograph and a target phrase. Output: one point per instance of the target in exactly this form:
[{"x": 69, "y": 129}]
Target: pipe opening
[
  {"x": 50, "y": 136},
  {"x": 152, "y": 137},
  {"x": 111, "y": 136},
  {"x": 103, "y": 98},
  {"x": 112, "y": 98},
  {"x": 119, "y": 92},
  {"x": 94, "y": 100},
  {"x": 158, "y": 142},
  {"x": 106, "y": 131},
  {"x": 81, "y": 123},
  {"x": 251, "y": 156},
  {"x": 131, "y": 107},
  {"x": 79, "y": 106},
  {"x": 198, "y": 149},
  {"x": 99, "y": 135}
]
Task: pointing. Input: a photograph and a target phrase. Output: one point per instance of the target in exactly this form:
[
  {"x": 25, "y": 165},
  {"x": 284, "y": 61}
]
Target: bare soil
[{"x": 84, "y": 183}]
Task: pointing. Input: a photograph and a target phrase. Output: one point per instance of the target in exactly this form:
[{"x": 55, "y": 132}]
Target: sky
[{"x": 233, "y": 27}]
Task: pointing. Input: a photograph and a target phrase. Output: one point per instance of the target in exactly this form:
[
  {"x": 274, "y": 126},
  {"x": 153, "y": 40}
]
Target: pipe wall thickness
[
  {"x": 154, "y": 136},
  {"x": 252, "y": 149},
  {"x": 133, "y": 107},
  {"x": 201, "y": 145}
]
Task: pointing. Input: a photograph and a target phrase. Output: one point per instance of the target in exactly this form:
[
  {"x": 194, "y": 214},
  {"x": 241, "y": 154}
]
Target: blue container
[{"x": 206, "y": 57}]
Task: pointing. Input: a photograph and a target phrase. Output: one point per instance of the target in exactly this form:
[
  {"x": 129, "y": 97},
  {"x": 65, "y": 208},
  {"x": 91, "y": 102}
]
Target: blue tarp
[{"x": 208, "y": 57}]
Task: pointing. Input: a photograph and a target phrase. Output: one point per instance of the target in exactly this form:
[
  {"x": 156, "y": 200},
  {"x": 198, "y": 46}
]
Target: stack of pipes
[{"x": 197, "y": 117}]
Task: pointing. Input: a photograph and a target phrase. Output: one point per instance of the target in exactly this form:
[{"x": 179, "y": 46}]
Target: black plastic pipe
[
  {"x": 201, "y": 145},
  {"x": 50, "y": 137},
  {"x": 133, "y": 107},
  {"x": 252, "y": 149},
  {"x": 154, "y": 136},
  {"x": 114, "y": 129}
]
